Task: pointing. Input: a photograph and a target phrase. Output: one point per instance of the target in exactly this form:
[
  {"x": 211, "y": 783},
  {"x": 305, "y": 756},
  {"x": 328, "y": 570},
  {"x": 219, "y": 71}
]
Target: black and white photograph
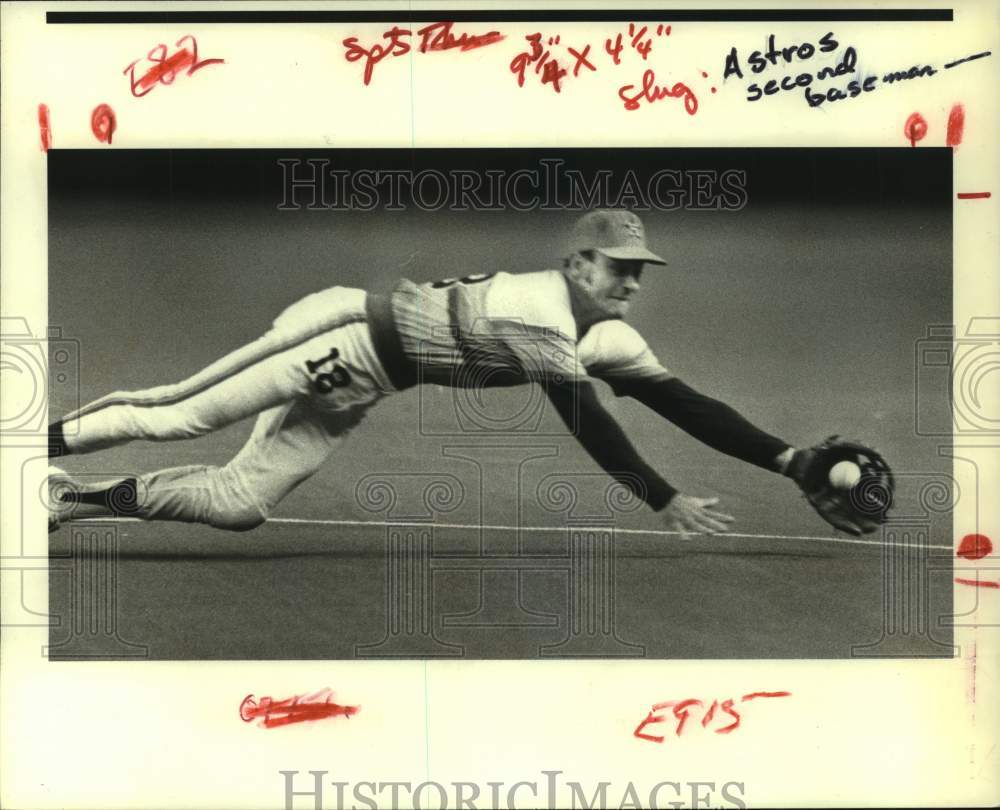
[
  {"x": 498, "y": 405},
  {"x": 504, "y": 403}
]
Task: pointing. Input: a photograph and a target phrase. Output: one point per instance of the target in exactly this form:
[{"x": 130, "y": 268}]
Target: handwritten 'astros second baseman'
[{"x": 334, "y": 354}]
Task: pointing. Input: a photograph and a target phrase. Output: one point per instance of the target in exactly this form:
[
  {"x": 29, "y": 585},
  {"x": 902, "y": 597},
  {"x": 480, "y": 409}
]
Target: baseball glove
[{"x": 859, "y": 509}]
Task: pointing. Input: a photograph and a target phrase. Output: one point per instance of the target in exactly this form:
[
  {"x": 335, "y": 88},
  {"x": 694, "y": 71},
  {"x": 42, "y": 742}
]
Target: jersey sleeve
[{"x": 616, "y": 353}]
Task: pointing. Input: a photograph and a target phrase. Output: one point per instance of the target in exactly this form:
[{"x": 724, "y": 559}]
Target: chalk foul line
[{"x": 853, "y": 541}]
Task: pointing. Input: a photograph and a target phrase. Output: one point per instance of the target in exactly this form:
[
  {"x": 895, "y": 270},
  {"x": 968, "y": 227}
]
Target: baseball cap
[{"x": 616, "y": 234}]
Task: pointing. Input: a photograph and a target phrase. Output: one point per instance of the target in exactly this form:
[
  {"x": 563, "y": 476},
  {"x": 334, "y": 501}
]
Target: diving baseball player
[{"x": 334, "y": 354}]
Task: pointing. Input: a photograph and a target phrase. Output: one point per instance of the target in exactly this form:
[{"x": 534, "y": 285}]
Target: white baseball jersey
[{"x": 500, "y": 329}]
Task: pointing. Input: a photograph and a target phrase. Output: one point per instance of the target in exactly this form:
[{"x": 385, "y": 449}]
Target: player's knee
[
  {"x": 234, "y": 506},
  {"x": 237, "y": 517}
]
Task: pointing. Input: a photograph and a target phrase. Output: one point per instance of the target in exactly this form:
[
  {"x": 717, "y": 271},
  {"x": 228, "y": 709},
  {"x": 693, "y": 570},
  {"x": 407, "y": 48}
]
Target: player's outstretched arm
[
  {"x": 603, "y": 438},
  {"x": 710, "y": 421},
  {"x": 857, "y": 504}
]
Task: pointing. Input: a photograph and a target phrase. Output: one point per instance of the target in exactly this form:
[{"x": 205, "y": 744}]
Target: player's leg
[
  {"x": 264, "y": 374},
  {"x": 288, "y": 444}
]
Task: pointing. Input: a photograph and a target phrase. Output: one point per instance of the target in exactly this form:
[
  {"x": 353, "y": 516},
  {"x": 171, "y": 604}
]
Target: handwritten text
[{"x": 720, "y": 713}]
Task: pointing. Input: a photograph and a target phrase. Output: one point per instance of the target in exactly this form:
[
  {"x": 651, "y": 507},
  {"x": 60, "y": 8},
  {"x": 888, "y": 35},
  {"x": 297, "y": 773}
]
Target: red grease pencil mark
[
  {"x": 974, "y": 195},
  {"x": 640, "y": 41},
  {"x": 915, "y": 128},
  {"x": 395, "y": 47},
  {"x": 438, "y": 37},
  {"x": 165, "y": 68},
  {"x": 651, "y": 92},
  {"x": 754, "y": 695},
  {"x": 433, "y": 37},
  {"x": 682, "y": 709},
  {"x": 581, "y": 60},
  {"x": 956, "y": 125},
  {"x": 650, "y": 718},
  {"x": 975, "y": 547},
  {"x": 103, "y": 123},
  {"x": 977, "y": 583},
  {"x": 546, "y": 66},
  {"x": 727, "y": 706},
  {"x": 44, "y": 127},
  {"x": 298, "y": 709},
  {"x": 709, "y": 714}
]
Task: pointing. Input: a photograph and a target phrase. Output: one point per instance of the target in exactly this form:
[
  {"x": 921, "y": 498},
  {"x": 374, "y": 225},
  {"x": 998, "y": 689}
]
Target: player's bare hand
[{"x": 689, "y": 515}]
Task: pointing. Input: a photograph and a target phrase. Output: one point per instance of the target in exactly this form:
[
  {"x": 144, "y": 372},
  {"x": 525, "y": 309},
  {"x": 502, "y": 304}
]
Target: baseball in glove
[{"x": 859, "y": 509}]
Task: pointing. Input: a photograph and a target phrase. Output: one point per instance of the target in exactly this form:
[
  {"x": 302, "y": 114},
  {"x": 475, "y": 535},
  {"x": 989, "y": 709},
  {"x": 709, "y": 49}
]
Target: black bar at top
[{"x": 507, "y": 16}]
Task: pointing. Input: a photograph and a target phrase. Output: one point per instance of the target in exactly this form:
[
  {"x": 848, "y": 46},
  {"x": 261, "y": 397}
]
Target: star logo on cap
[{"x": 634, "y": 228}]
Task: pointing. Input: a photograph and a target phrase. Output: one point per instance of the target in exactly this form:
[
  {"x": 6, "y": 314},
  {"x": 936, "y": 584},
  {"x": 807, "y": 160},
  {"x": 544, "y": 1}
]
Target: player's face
[{"x": 611, "y": 283}]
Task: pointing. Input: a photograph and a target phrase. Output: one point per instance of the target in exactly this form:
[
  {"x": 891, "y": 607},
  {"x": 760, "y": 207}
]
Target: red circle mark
[
  {"x": 975, "y": 547},
  {"x": 704, "y": 75},
  {"x": 102, "y": 123},
  {"x": 956, "y": 125},
  {"x": 713, "y": 89},
  {"x": 44, "y": 127},
  {"x": 915, "y": 128}
]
